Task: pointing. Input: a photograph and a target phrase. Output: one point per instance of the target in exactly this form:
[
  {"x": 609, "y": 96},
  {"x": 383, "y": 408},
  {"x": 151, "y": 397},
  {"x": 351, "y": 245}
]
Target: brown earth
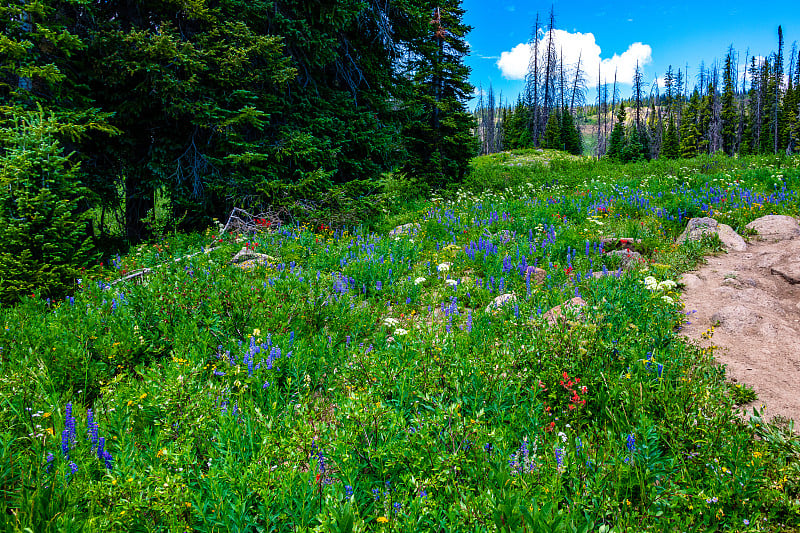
[{"x": 752, "y": 297}]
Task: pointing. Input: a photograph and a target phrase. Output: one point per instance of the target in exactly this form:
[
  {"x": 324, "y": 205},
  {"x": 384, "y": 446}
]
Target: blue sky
[{"x": 617, "y": 34}]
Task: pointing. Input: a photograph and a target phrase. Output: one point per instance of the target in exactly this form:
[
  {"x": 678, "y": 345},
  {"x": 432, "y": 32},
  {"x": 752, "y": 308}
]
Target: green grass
[{"x": 355, "y": 381}]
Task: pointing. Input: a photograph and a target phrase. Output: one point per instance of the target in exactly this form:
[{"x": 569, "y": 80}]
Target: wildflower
[
  {"x": 401, "y": 331},
  {"x": 443, "y": 267},
  {"x": 630, "y": 443},
  {"x": 348, "y": 490},
  {"x": 397, "y": 507},
  {"x": 423, "y": 494},
  {"x": 72, "y": 468},
  {"x": 667, "y": 299},
  {"x": 559, "y": 452},
  {"x": 667, "y": 284},
  {"x": 376, "y": 493},
  {"x": 389, "y": 321},
  {"x": 382, "y": 519},
  {"x": 419, "y": 280},
  {"x": 92, "y": 428},
  {"x": 451, "y": 282}
]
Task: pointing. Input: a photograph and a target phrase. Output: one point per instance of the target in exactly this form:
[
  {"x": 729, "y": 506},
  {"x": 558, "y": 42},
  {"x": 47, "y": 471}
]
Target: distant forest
[{"x": 752, "y": 111}]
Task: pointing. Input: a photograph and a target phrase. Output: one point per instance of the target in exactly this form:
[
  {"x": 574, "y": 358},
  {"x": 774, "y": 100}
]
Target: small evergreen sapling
[{"x": 46, "y": 245}]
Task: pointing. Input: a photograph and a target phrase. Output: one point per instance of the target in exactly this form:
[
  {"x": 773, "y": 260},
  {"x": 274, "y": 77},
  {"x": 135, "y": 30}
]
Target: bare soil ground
[{"x": 753, "y": 299}]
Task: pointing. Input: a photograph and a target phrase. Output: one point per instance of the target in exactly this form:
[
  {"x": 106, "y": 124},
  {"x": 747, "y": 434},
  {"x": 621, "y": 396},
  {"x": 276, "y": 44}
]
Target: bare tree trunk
[{"x": 532, "y": 86}]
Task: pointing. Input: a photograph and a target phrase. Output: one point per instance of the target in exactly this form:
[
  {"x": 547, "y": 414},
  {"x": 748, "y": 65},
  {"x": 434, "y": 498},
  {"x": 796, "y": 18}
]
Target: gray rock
[
  {"x": 629, "y": 259},
  {"x": 775, "y": 228},
  {"x": 405, "y": 229},
  {"x": 556, "y": 314},
  {"x": 537, "y": 274},
  {"x": 697, "y": 228},
  {"x": 500, "y": 301}
]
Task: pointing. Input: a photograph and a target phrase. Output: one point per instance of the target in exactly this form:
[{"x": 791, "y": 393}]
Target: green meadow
[{"x": 352, "y": 378}]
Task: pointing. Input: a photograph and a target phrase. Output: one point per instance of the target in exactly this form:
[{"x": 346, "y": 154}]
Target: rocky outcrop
[
  {"x": 405, "y": 229},
  {"x": 775, "y": 228},
  {"x": 558, "y": 313},
  {"x": 500, "y": 301},
  {"x": 697, "y": 228}
]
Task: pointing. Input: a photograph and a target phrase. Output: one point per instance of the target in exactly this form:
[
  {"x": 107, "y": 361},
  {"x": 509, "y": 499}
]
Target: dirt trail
[{"x": 753, "y": 298}]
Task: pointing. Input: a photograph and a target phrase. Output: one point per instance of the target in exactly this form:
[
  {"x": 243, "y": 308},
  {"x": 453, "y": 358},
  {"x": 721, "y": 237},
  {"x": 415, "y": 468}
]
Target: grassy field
[{"x": 357, "y": 381}]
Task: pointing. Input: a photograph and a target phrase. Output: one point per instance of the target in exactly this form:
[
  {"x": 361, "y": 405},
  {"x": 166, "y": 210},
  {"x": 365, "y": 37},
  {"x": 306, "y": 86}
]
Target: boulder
[
  {"x": 537, "y": 274},
  {"x": 621, "y": 243},
  {"x": 500, "y": 301},
  {"x": 629, "y": 259},
  {"x": 775, "y": 228},
  {"x": 405, "y": 229},
  {"x": 556, "y": 314},
  {"x": 788, "y": 270},
  {"x": 697, "y": 228}
]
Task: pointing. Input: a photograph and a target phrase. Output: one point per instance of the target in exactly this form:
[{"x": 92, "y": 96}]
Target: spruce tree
[
  {"x": 616, "y": 143},
  {"x": 670, "y": 148},
  {"x": 730, "y": 119},
  {"x": 43, "y": 225},
  {"x": 570, "y": 134},
  {"x": 437, "y": 129},
  {"x": 552, "y": 132},
  {"x": 690, "y": 134}
]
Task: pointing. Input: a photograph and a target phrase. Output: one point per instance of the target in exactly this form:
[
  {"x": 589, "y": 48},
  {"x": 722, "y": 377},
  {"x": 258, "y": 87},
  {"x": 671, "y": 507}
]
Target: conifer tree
[
  {"x": 616, "y": 143},
  {"x": 730, "y": 119},
  {"x": 690, "y": 134},
  {"x": 570, "y": 134},
  {"x": 552, "y": 132},
  {"x": 670, "y": 148},
  {"x": 437, "y": 134},
  {"x": 43, "y": 225}
]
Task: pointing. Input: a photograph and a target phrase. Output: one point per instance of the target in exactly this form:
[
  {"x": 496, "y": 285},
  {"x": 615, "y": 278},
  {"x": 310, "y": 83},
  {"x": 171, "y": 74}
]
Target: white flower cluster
[{"x": 653, "y": 285}]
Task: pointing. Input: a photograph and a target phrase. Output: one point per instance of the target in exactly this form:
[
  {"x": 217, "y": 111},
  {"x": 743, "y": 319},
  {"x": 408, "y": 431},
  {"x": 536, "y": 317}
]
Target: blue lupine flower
[
  {"x": 630, "y": 443},
  {"x": 92, "y": 428},
  {"x": 72, "y": 468},
  {"x": 423, "y": 494},
  {"x": 376, "y": 493},
  {"x": 69, "y": 423},
  {"x": 559, "y": 452},
  {"x": 348, "y": 490},
  {"x": 65, "y": 442},
  {"x": 397, "y": 507}
]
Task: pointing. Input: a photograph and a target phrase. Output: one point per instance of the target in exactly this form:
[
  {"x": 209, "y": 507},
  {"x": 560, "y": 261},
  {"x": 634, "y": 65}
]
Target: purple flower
[
  {"x": 92, "y": 427},
  {"x": 630, "y": 443},
  {"x": 72, "y": 468},
  {"x": 65, "y": 442},
  {"x": 348, "y": 490}
]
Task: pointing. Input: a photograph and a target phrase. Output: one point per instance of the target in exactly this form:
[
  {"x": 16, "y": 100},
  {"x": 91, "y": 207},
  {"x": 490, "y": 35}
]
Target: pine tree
[
  {"x": 43, "y": 227},
  {"x": 616, "y": 143},
  {"x": 437, "y": 134},
  {"x": 690, "y": 133},
  {"x": 552, "y": 132},
  {"x": 671, "y": 147},
  {"x": 570, "y": 134},
  {"x": 730, "y": 119}
]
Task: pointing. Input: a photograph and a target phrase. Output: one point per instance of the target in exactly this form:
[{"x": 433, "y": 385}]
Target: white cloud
[{"x": 514, "y": 63}]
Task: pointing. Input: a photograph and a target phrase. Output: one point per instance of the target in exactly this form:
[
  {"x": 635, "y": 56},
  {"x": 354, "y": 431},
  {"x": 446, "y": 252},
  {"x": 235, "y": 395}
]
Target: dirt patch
[{"x": 753, "y": 300}]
